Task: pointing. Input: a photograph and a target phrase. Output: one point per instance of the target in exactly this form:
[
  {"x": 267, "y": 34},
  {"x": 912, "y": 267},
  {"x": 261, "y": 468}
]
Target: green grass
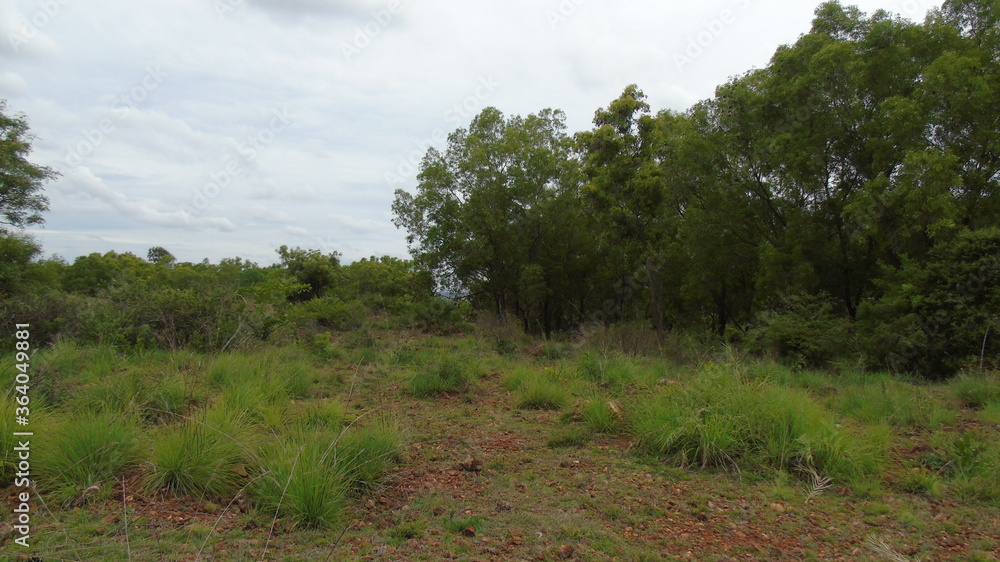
[
  {"x": 300, "y": 483},
  {"x": 448, "y": 376},
  {"x": 977, "y": 391},
  {"x": 541, "y": 393},
  {"x": 722, "y": 420},
  {"x": 603, "y": 415},
  {"x": 203, "y": 456},
  {"x": 895, "y": 403},
  {"x": 364, "y": 454},
  {"x": 84, "y": 451}
]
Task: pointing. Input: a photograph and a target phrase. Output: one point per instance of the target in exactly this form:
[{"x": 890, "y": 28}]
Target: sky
[{"x": 224, "y": 128}]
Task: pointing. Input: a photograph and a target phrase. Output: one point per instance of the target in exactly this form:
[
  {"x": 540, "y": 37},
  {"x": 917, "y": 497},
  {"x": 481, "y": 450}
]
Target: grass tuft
[
  {"x": 541, "y": 393},
  {"x": 86, "y": 451}
]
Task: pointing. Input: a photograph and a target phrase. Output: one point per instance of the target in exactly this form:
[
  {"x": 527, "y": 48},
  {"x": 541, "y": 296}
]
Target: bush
[
  {"x": 804, "y": 328},
  {"x": 442, "y": 315},
  {"x": 935, "y": 314},
  {"x": 328, "y": 313}
]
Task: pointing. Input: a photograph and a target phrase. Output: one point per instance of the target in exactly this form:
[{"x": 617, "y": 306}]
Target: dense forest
[{"x": 839, "y": 204}]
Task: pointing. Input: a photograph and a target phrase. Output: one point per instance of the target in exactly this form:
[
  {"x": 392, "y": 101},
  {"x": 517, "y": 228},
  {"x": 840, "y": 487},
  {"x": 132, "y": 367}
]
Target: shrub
[
  {"x": 84, "y": 451},
  {"x": 936, "y": 313},
  {"x": 442, "y": 315},
  {"x": 803, "y": 328},
  {"x": 328, "y": 313}
]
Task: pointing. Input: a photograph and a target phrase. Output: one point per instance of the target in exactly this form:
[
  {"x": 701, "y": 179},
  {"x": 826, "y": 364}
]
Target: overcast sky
[{"x": 222, "y": 128}]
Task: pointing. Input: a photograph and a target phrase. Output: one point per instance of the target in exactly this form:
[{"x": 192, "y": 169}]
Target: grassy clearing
[{"x": 614, "y": 455}]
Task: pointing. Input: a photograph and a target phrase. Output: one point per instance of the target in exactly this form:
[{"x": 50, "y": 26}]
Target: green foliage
[
  {"x": 84, "y": 451},
  {"x": 448, "y": 376},
  {"x": 804, "y": 329},
  {"x": 937, "y": 314},
  {"x": 329, "y": 313},
  {"x": 22, "y": 201},
  {"x": 313, "y": 269},
  {"x": 442, "y": 315}
]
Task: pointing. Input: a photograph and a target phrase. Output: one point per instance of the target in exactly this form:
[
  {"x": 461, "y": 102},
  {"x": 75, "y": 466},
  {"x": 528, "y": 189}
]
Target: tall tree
[{"x": 493, "y": 214}]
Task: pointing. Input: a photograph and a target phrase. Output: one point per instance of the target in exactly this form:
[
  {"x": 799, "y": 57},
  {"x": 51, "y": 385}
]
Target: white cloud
[{"x": 83, "y": 181}]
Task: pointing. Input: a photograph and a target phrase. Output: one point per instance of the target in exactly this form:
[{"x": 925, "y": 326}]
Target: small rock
[
  {"x": 469, "y": 531},
  {"x": 471, "y": 464},
  {"x": 565, "y": 552}
]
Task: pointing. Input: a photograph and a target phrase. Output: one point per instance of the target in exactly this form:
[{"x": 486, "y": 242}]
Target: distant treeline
[
  {"x": 126, "y": 302},
  {"x": 841, "y": 202}
]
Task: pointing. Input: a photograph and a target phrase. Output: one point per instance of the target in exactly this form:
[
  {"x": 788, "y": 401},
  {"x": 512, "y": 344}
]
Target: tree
[
  {"x": 313, "y": 268},
  {"x": 21, "y": 200},
  {"x": 160, "y": 256},
  {"x": 625, "y": 190},
  {"x": 496, "y": 216}
]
